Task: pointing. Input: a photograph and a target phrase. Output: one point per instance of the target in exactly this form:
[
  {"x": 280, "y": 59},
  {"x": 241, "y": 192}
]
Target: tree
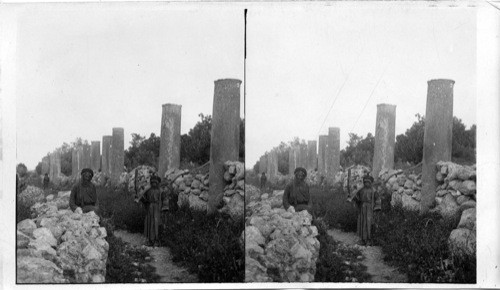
[
  {"x": 195, "y": 146},
  {"x": 409, "y": 146},
  {"x": 359, "y": 150},
  {"x": 142, "y": 151},
  {"x": 21, "y": 170},
  {"x": 38, "y": 168}
]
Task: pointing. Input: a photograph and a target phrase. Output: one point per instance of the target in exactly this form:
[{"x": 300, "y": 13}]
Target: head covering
[
  {"x": 89, "y": 171},
  {"x": 154, "y": 178},
  {"x": 298, "y": 169},
  {"x": 368, "y": 178}
]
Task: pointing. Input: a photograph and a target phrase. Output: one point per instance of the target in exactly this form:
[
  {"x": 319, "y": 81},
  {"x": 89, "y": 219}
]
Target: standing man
[
  {"x": 46, "y": 181},
  {"x": 84, "y": 194},
  {"x": 263, "y": 181},
  {"x": 152, "y": 202},
  {"x": 297, "y": 192},
  {"x": 367, "y": 201}
]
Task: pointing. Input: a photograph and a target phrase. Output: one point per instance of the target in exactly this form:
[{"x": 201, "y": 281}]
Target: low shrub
[
  {"x": 418, "y": 244},
  {"x": 337, "y": 262},
  {"x": 208, "y": 246},
  {"x": 331, "y": 205},
  {"x": 120, "y": 207},
  {"x": 127, "y": 264}
]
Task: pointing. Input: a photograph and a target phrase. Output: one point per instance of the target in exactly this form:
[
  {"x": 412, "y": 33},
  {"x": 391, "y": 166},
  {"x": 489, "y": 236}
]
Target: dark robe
[
  {"x": 297, "y": 195},
  {"x": 152, "y": 202},
  {"x": 84, "y": 195},
  {"x": 367, "y": 200}
]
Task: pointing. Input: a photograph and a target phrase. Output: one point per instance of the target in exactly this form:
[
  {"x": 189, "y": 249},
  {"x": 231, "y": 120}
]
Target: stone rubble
[
  {"x": 31, "y": 195},
  {"x": 455, "y": 195},
  {"x": 58, "y": 245},
  {"x": 280, "y": 245},
  {"x": 193, "y": 189}
]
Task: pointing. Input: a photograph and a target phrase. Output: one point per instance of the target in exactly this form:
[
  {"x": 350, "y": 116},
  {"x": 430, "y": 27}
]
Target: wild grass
[{"x": 208, "y": 246}]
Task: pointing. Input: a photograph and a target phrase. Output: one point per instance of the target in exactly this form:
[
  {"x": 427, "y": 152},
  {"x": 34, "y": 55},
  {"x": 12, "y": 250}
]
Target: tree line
[
  {"x": 195, "y": 148},
  {"x": 408, "y": 147}
]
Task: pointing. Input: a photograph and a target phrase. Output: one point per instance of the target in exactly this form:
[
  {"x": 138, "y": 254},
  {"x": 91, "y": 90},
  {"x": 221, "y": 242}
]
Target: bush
[
  {"x": 120, "y": 266},
  {"x": 208, "y": 246},
  {"x": 22, "y": 211},
  {"x": 331, "y": 205},
  {"x": 418, "y": 244},
  {"x": 120, "y": 207},
  {"x": 331, "y": 265}
]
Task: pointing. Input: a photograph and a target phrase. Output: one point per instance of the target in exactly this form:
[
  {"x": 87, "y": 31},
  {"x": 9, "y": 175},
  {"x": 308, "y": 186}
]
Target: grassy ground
[{"x": 208, "y": 246}]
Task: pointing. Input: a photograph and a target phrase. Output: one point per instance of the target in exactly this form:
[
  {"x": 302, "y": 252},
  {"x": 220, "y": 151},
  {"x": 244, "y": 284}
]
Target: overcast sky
[
  {"x": 317, "y": 67},
  {"x": 84, "y": 69}
]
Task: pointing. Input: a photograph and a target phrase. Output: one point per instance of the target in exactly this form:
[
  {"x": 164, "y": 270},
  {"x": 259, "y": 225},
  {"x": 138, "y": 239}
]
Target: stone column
[
  {"x": 321, "y": 154},
  {"x": 57, "y": 166},
  {"x": 385, "y": 134},
  {"x": 51, "y": 166},
  {"x": 272, "y": 165},
  {"x": 45, "y": 165},
  {"x": 106, "y": 155},
  {"x": 117, "y": 154},
  {"x": 263, "y": 164},
  {"x": 312, "y": 159},
  {"x": 303, "y": 155},
  {"x": 291, "y": 160},
  {"x": 95, "y": 155},
  {"x": 437, "y": 135},
  {"x": 332, "y": 154},
  {"x": 170, "y": 139},
  {"x": 86, "y": 156},
  {"x": 74, "y": 162},
  {"x": 225, "y": 137},
  {"x": 79, "y": 159}
]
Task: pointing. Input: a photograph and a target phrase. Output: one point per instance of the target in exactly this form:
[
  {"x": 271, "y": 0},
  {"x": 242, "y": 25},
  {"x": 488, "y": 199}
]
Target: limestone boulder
[
  {"x": 22, "y": 240},
  {"x": 26, "y": 226},
  {"x": 448, "y": 206},
  {"x": 462, "y": 241},
  {"x": 38, "y": 270},
  {"x": 409, "y": 203},
  {"x": 468, "y": 219},
  {"x": 196, "y": 203},
  {"x": 45, "y": 235}
]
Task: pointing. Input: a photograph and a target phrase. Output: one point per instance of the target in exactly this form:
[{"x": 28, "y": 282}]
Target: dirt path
[
  {"x": 161, "y": 260},
  {"x": 373, "y": 259}
]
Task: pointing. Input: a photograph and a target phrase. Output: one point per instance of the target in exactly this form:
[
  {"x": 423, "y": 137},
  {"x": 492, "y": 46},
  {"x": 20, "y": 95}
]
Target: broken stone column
[
  {"x": 321, "y": 154},
  {"x": 332, "y": 154},
  {"x": 312, "y": 159},
  {"x": 272, "y": 165},
  {"x": 170, "y": 139},
  {"x": 79, "y": 159},
  {"x": 263, "y": 164},
  {"x": 225, "y": 137},
  {"x": 54, "y": 166},
  {"x": 117, "y": 154},
  {"x": 437, "y": 136},
  {"x": 291, "y": 160},
  {"x": 74, "y": 162},
  {"x": 45, "y": 165},
  {"x": 385, "y": 134},
  {"x": 95, "y": 155},
  {"x": 86, "y": 156},
  {"x": 303, "y": 155},
  {"x": 106, "y": 155}
]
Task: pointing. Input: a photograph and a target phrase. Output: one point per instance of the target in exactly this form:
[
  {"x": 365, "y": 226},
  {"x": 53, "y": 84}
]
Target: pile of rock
[
  {"x": 280, "y": 245},
  {"x": 456, "y": 194},
  {"x": 144, "y": 174},
  {"x": 100, "y": 179},
  {"x": 406, "y": 190},
  {"x": 61, "y": 246},
  {"x": 31, "y": 195},
  {"x": 192, "y": 189},
  {"x": 355, "y": 180},
  {"x": 234, "y": 192}
]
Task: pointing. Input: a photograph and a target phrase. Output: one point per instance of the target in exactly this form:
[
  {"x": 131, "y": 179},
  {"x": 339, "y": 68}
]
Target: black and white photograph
[
  {"x": 249, "y": 144},
  {"x": 130, "y": 149},
  {"x": 361, "y": 144}
]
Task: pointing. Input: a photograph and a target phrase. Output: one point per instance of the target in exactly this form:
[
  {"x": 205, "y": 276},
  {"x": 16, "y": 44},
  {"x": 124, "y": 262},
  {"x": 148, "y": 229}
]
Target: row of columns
[{"x": 437, "y": 142}]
